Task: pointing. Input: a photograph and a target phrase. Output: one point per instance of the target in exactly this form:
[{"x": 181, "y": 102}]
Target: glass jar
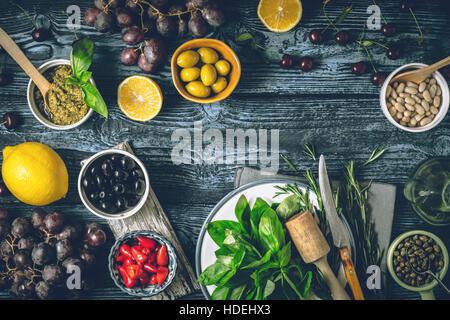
[{"x": 428, "y": 191}]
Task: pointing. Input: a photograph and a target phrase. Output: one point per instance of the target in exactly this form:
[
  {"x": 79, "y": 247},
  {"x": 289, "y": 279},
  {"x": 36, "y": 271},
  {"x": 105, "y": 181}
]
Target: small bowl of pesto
[{"x": 66, "y": 107}]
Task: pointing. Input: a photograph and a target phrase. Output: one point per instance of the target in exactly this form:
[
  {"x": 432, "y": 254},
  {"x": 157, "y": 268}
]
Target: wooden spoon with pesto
[{"x": 14, "y": 51}]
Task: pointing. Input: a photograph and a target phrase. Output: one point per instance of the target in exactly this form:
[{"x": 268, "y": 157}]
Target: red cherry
[{"x": 306, "y": 64}]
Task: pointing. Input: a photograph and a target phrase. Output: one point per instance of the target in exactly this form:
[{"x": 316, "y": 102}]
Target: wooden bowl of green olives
[
  {"x": 413, "y": 256},
  {"x": 205, "y": 70}
]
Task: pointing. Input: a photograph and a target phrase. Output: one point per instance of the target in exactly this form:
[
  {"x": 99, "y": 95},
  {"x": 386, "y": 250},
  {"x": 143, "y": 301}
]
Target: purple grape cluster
[
  {"x": 40, "y": 252},
  {"x": 153, "y": 23}
]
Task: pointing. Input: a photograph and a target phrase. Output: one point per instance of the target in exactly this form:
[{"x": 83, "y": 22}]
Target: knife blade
[
  {"x": 338, "y": 231},
  {"x": 340, "y": 235}
]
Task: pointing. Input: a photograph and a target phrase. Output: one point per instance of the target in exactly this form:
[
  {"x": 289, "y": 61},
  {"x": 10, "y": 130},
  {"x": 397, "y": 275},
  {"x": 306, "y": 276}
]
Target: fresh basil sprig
[{"x": 80, "y": 61}]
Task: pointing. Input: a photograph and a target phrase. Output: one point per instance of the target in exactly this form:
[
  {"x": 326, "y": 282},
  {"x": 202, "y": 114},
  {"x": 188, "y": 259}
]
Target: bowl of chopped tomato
[{"x": 142, "y": 263}]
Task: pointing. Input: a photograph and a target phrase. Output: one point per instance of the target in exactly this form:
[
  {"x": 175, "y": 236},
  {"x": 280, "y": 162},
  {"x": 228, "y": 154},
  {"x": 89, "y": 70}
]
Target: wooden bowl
[{"x": 225, "y": 51}]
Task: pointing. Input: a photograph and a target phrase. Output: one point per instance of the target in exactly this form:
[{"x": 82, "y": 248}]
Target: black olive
[
  {"x": 93, "y": 197},
  {"x": 121, "y": 203},
  {"x": 119, "y": 188},
  {"x": 95, "y": 171},
  {"x": 115, "y": 159},
  {"x": 86, "y": 183},
  {"x": 100, "y": 180},
  {"x": 139, "y": 187},
  {"x": 137, "y": 174},
  {"x": 105, "y": 206},
  {"x": 107, "y": 167},
  {"x": 102, "y": 195},
  {"x": 127, "y": 163},
  {"x": 120, "y": 175}
]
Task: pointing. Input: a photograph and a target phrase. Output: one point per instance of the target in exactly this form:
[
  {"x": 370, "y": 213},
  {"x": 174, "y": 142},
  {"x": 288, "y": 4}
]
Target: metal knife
[{"x": 338, "y": 231}]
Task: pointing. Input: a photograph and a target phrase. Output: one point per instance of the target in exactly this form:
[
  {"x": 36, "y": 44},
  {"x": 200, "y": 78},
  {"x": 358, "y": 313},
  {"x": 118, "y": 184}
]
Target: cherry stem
[
  {"x": 330, "y": 21},
  {"x": 370, "y": 59},
  {"x": 360, "y": 38},
  {"x": 418, "y": 27},
  {"x": 381, "y": 45},
  {"x": 24, "y": 11}
]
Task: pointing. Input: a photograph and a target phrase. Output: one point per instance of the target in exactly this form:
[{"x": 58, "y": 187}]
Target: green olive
[
  {"x": 208, "y": 55},
  {"x": 198, "y": 89},
  {"x": 208, "y": 74},
  {"x": 188, "y": 59},
  {"x": 190, "y": 74},
  {"x": 219, "y": 85},
  {"x": 223, "y": 67}
]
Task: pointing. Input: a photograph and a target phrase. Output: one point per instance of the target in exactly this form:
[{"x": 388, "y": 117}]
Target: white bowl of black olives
[{"x": 113, "y": 184}]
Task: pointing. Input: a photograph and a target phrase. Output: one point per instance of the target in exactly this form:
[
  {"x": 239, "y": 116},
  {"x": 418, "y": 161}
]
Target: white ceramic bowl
[
  {"x": 125, "y": 214},
  {"x": 34, "y": 108},
  {"x": 444, "y": 103}
]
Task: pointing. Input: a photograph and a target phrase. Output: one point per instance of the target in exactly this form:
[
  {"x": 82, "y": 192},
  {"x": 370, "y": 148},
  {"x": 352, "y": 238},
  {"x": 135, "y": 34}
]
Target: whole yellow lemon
[{"x": 34, "y": 173}]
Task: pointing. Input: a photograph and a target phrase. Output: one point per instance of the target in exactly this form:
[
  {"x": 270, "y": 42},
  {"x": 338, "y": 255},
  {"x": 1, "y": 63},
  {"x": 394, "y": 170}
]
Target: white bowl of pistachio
[{"x": 415, "y": 107}]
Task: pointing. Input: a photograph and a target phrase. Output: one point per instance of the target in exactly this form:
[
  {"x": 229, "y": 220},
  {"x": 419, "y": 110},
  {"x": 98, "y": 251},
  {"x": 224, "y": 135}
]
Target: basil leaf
[
  {"x": 236, "y": 241},
  {"x": 292, "y": 285},
  {"x": 271, "y": 233},
  {"x": 220, "y": 293},
  {"x": 216, "y": 229},
  {"x": 237, "y": 292},
  {"x": 244, "y": 37},
  {"x": 288, "y": 207},
  {"x": 260, "y": 262},
  {"x": 213, "y": 273},
  {"x": 81, "y": 56},
  {"x": 284, "y": 255},
  {"x": 85, "y": 76},
  {"x": 306, "y": 282},
  {"x": 72, "y": 81},
  {"x": 255, "y": 215},
  {"x": 93, "y": 99},
  {"x": 242, "y": 212},
  {"x": 268, "y": 289}
]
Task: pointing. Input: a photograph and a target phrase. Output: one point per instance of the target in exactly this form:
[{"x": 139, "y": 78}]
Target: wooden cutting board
[{"x": 152, "y": 217}]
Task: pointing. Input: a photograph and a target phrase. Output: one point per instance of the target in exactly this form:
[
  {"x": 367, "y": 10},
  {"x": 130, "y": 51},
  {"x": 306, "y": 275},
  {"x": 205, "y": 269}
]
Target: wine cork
[{"x": 307, "y": 237}]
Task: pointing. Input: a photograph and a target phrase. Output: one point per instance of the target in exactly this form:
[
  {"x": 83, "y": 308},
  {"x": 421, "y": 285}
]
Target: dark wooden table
[{"x": 330, "y": 107}]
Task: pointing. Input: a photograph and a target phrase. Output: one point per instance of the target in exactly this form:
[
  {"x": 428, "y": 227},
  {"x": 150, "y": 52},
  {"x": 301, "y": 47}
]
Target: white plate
[{"x": 224, "y": 210}]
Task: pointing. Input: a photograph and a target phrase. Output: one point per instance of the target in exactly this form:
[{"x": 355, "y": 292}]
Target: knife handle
[{"x": 350, "y": 273}]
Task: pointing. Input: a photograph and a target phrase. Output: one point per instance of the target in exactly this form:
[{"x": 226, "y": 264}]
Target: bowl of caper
[{"x": 417, "y": 260}]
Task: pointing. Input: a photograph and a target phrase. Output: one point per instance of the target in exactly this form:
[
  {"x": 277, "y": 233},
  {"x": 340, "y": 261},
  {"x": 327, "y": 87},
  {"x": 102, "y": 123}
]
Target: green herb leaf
[
  {"x": 220, "y": 293},
  {"x": 269, "y": 288},
  {"x": 242, "y": 211},
  {"x": 262, "y": 261},
  {"x": 213, "y": 273},
  {"x": 81, "y": 56},
  {"x": 271, "y": 233},
  {"x": 72, "y": 81},
  {"x": 85, "y": 76},
  {"x": 236, "y": 293},
  {"x": 255, "y": 215},
  {"x": 93, "y": 99},
  {"x": 288, "y": 207},
  {"x": 216, "y": 229},
  {"x": 244, "y": 37},
  {"x": 284, "y": 255}
]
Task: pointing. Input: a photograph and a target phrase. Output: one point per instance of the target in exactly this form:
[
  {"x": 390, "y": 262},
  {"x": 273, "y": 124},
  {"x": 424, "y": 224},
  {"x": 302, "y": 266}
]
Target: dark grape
[
  {"x": 166, "y": 26},
  {"x": 155, "y": 52},
  {"x": 90, "y": 15},
  {"x": 132, "y": 5},
  {"x": 132, "y": 36},
  {"x": 146, "y": 66},
  {"x": 214, "y": 17},
  {"x": 112, "y": 4},
  {"x": 52, "y": 274},
  {"x": 88, "y": 257},
  {"x": 4, "y": 283},
  {"x": 10, "y": 120},
  {"x": 20, "y": 227},
  {"x": 182, "y": 28},
  {"x": 42, "y": 253},
  {"x": 63, "y": 249},
  {"x": 124, "y": 17},
  {"x": 152, "y": 13},
  {"x": 104, "y": 22},
  {"x": 4, "y": 214},
  {"x": 37, "y": 218},
  {"x": 26, "y": 243},
  {"x": 90, "y": 227},
  {"x": 22, "y": 259},
  {"x": 69, "y": 232},
  {"x": 96, "y": 238},
  {"x": 4, "y": 228},
  {"x": 197, "y": 26},
  {"x": 159, "y": 3},
  {"x": 199, "y": 3},
  {"x": 43, "y": 290},
  {"x": 54, "y": 222},
  {"x": 129, "y": 56},
  {"x": 71, "y": 263},
  {"x": 25, "y": 290},
  {"x": 5, "y": 249},
  {"x": 40, "y": 34}
]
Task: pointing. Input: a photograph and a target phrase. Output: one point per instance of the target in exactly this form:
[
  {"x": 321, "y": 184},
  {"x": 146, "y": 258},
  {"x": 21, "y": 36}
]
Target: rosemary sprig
[
  {"x": 309, "y": 150},
  {"x": 288, "y": 162},
  {"x": 376, "y": 153}
]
